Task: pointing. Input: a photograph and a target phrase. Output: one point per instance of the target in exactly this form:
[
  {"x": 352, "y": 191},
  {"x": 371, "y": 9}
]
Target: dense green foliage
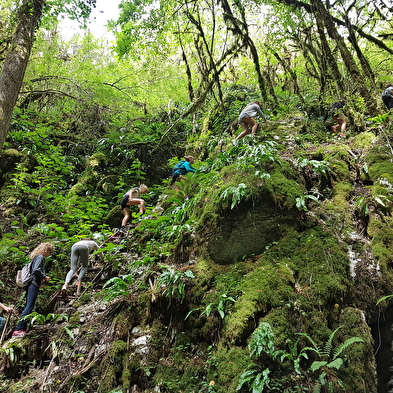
[{"x": 238, "y": 278}]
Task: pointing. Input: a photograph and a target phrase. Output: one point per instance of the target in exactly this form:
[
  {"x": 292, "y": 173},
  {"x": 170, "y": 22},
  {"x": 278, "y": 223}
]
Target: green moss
[
  {"x": 381, "y": 233},
  {"x": 157, "y": 332},
  {"x": 322, "y": 267},
  {"x": 359, "y": 356},
  {"x": 283, "y": 191},
  {"x": 341, "y": 195},
  {"x": 123, "y": 323},
  {"x": 97, "y": 160},
  {"x": 278, "y": 319},
  {"x": 179, "y": 372},
  {"x": 205, "y": 271},
  {"x": 226, "y": 366},
  {"x": 335, "y": 211},
  {"x": 382, "y": 253},
  {"x": 126, "y": 373},
  {"x": 75, "y": 318},
  {"x": 363, "y": 141},
  {"x": 112, "y": 366},
  {"x": 267, "y": 286},
  {"x": 8, "y": 159},
  {"x": 340, "y": 169},
  {"x": 338, "y": 157},
  {"x": 382, "y": 169}
]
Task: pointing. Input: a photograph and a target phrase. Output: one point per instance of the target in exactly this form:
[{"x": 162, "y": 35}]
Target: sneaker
[
  {"x": 19, "y": 333},
  {"x": 234, "y": 142}
]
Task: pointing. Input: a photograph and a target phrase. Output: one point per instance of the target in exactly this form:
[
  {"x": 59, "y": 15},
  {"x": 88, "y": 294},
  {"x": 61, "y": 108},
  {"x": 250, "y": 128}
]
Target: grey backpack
[{"x": 24, "y": 276}]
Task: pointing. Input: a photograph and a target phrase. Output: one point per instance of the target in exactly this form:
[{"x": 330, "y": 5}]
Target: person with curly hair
[{"x": 37, "y": 256}]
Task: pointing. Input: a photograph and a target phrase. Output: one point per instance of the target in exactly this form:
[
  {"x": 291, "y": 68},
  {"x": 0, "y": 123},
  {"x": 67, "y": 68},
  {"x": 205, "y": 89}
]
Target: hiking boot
[{"x": 19, "y": 333}]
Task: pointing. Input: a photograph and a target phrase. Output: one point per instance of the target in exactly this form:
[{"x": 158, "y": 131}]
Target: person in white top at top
[
  {"x": 247, "y": 121},
  {"x": 80, "y": 253}
]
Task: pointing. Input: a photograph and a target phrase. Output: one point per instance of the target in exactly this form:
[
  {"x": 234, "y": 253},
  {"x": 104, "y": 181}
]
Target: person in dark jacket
[
  {"x": 338, "y": 118},
  {"x": 182, "y": 168},
  {"x": 387, "y": 96},
  {"x": 38, "y": 256}
]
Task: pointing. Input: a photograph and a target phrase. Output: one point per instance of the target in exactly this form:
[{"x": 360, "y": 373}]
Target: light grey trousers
[{"x": 81, "y": 253}]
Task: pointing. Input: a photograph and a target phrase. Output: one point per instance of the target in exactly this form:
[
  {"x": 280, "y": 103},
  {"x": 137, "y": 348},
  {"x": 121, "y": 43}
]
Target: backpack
[
  {"x": 179, "y": 166},
  {"x": 24, "y": 276}
]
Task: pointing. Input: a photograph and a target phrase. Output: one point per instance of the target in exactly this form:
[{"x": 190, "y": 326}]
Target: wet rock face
[{"x": 247, "y": 230}]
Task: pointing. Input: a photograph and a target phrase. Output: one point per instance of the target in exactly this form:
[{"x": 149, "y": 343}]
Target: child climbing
[
  {"x": 79, "y": 252},
  {"x": 37, "y": 269},
  {"x": 182, "y": 168},
  {"x": 387, "y": 96},
  {"x": 132, "y": 197},
  {"x": 338, "y": 118},
  {"x": 247, "y": 121}
]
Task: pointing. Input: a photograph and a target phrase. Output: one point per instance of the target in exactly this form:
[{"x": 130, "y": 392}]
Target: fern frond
[
  {"x": 315, "y": 346},
  {"x": 336, "y": 363},
  {"x": 346, "y": 344},
  {"x": 382, "y": 299},
  {"x": 328, "y": 347}
]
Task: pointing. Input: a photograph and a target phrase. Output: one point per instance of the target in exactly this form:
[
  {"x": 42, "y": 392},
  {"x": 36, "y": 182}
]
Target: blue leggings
[
  {"x": 77, "y": 252},
  {"x": 31, "y": 297}
]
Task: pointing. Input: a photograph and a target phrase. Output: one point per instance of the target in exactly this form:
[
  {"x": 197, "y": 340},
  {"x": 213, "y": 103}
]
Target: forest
[{"x": 268, "y": 268}]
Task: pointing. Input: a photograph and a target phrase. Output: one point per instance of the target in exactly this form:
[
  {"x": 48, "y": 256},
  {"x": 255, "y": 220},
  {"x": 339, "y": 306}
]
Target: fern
[
  {"x": 117, "y": 286},
  {"x": 382, "y": 299},
  {"x": 345, "y": 345},
  {"x": 255, "y": 380},
  {"x": 262, "y": 340},
  {"x": 329, "y": 359},
  {"x": 236, "y": 194}
]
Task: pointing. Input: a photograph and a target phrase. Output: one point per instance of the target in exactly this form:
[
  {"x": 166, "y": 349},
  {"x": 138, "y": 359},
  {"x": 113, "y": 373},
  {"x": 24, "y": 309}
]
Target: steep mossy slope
[{"x": 262, "y": 270}]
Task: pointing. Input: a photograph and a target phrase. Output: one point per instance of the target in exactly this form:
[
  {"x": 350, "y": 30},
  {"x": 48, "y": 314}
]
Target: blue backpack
[{"x": 179, "y": 166}]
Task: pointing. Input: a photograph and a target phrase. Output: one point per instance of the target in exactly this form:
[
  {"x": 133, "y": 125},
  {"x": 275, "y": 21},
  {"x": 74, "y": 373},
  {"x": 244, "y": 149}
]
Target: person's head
[
  {"x": 257, "y": 102},
  {"x": 388, "y": 85},
  {"x": 189, "y": 159},
  {"x": 44, "y": 249},
  {"x": 143, "y": 189}
]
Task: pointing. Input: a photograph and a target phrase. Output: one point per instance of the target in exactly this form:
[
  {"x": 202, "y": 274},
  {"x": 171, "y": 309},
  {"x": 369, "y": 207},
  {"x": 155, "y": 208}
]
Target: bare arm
[{"x": 5, "y": 308}]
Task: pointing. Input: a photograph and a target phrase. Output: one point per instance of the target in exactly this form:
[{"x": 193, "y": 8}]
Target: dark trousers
[
  {"x": 31, "y": 297},
  {"x": 388, "y": 101}
]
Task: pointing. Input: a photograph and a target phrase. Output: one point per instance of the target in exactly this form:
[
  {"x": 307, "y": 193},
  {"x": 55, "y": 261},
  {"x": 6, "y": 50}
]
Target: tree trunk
[
  {"x": 289, "y": 71},
  {"x": 358, "y": 78},
  {"x": 16, "y": 60},
  {"x": 240, "y": 30}
]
